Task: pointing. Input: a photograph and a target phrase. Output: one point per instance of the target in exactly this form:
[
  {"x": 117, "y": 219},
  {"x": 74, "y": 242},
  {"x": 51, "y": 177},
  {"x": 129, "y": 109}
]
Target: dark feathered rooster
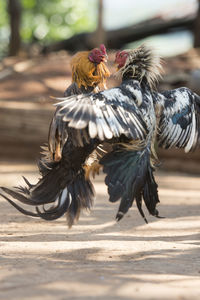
[{"x": 129, "y": 118}]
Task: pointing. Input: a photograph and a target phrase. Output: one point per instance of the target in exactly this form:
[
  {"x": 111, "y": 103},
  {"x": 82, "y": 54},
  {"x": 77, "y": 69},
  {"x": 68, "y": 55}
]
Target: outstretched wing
[
  {"x": 179, "y": 124},
  {"x": 107, "y": 114},
  {"x": 58, "y": 130}
]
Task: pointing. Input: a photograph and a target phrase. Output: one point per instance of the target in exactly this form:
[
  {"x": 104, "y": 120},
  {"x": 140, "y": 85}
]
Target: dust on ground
[{"x": 99, "y": 258}]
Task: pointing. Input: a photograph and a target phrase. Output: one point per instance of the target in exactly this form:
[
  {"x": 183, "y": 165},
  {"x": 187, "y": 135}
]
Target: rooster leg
[
  {"x": 57, "y": 156},
  {"x": 92, "y": 169},
  {"x": 95, "y": 168},
  {"x": 87, "y": 171}
]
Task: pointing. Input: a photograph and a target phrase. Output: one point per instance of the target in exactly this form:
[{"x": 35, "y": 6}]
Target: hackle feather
[
  {"x": 142, "y": 62},
  {"x": 86, "y": 73}
]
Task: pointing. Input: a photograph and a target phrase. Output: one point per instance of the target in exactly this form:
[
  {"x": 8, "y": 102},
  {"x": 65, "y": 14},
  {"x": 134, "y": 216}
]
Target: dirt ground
[{"x": 99, "y": 258}]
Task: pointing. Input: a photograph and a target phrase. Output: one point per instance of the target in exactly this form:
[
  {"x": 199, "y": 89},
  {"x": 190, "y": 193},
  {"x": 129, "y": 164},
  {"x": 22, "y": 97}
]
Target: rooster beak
[{"x": 116, "y": 65}]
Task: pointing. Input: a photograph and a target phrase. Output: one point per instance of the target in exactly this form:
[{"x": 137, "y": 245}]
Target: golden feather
[{"x": 86, "y": 73}]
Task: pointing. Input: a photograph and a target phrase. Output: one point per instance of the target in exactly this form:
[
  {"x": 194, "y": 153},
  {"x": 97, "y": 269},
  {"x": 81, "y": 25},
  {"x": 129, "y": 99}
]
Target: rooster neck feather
[
  {"x": 142, "y": 64},
  {"x": 85, "y": 73}
]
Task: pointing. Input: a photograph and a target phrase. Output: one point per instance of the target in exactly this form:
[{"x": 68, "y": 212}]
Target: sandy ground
[{"x": 99, "y": 258}]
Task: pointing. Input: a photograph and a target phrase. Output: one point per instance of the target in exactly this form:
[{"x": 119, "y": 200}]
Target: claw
[{"x": 92, "y": 169}]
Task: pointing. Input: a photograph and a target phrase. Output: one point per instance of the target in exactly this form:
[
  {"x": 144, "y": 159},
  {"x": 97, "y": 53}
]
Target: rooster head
[
  {"x": 139, "y": 63},
  {"x": 120, "y": 58},
  {"x": 98, "y": 55},
  {"x": 89, "y": 69}
]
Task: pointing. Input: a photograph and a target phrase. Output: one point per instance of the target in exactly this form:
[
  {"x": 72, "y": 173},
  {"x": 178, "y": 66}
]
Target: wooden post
[
  {"x": 14, "y": 10},
  {"x": 99, "y": 36}
]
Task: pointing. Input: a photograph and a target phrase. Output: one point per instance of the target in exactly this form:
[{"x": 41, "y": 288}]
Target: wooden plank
[{"x": 23, "y": 127}]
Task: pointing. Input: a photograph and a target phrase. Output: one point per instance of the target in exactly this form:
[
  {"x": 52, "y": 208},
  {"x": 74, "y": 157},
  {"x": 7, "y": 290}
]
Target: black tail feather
[
  {"x": 24, "y": 190},
  {"x": 129, "y": 176},
  {"x": 54, "y": 212},
  {"x": 82, "y": 194},
  {"x": 19, "y": 208},
  {"x": 18, "y": 196},
  {"x": 48, "y": 188},
  {"x": 150, "y": 192},
  {"x": 27, "y": 182},
  {"x": 73, "y": 212},
  {"x": 138, "y": 199},
  {"x": 76, "y": 195}
]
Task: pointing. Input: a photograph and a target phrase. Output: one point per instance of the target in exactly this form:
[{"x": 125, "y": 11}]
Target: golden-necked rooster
[
  {"x": 130, "y": 117},
  {"x": 89, "y": 74}
]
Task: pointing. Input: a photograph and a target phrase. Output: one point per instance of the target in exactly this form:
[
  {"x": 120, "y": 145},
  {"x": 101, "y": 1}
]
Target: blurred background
[{"x": 37, "y": 39}]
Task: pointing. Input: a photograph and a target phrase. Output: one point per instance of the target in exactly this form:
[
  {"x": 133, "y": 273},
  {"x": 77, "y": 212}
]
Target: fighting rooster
[
  {"x": 89, "y": 74},
  {"x": 129, "y": 117}
]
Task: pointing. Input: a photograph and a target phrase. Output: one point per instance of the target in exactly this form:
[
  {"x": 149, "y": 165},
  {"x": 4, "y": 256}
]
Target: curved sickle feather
[{"x": 19, "y": 208}]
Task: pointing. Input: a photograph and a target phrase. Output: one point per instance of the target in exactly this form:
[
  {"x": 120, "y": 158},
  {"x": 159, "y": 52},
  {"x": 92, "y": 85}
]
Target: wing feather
[
  {"x": 107, "y": 114},
  {"x": 179, "y": 124}
]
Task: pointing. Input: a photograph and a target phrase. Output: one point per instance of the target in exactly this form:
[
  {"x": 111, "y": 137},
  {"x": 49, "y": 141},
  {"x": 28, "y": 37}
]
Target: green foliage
[
  {"x": 4, "y": 28},
  {"x": 50, "y": 20},
  {"x": 54, "y": 20},
  {"x": 3, "y": 13}
]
